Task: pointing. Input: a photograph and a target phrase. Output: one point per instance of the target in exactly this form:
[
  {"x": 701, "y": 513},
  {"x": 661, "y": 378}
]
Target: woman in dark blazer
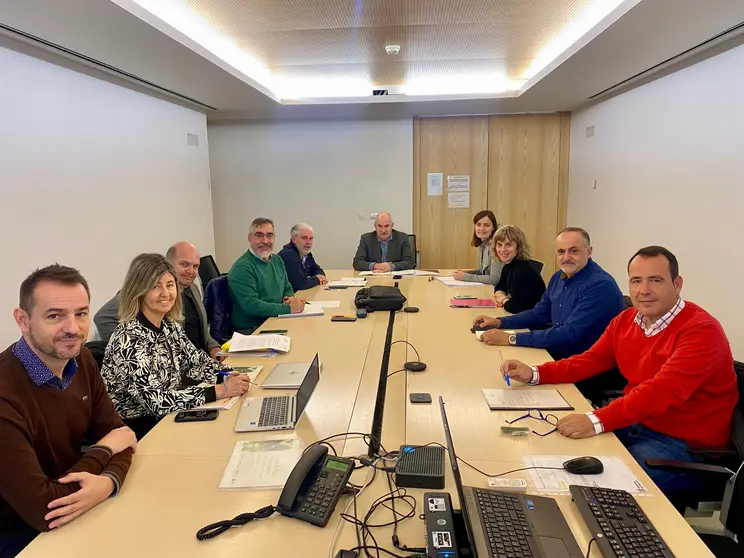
[{"x": 520, "y": 287}]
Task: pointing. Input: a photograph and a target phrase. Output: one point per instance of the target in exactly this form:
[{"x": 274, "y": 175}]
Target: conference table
[{"x": 172, "y": 490}]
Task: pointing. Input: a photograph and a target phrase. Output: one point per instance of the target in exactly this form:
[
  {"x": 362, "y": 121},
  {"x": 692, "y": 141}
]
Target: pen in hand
[{"x": 505, "y": 372}]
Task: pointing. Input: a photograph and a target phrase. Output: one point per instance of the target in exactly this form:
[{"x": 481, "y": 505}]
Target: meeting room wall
[
  {"x": 665, "y": 166},
  {"x": 92, "y": 174},
  {"x": 331, "y": 174}
]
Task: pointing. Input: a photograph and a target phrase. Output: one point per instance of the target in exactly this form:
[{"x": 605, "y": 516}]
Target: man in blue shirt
[
  {"x": 580, "y": 302},
  {"x": 302, "y": 270}
]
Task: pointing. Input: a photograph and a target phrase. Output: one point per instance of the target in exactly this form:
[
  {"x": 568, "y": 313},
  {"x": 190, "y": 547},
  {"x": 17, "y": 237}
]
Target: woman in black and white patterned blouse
[{"x": 149, "y": 353}]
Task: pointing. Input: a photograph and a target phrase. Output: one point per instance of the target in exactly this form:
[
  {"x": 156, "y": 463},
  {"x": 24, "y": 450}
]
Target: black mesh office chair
[
  {"x": 537, "y": 265},
  {"x": 412, "y": 242},
  {"x": 98, "y": 350},
  {"x": 723, "y": 488},
  {"x": 208, "y": 270}
]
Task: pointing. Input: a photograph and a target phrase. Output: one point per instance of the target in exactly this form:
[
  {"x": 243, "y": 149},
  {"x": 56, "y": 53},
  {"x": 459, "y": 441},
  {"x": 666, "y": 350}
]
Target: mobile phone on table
[
  {"x": 197, "y": 416},
  {"x": 273, "y": 331},
  {"x": 343, "y": 318}
]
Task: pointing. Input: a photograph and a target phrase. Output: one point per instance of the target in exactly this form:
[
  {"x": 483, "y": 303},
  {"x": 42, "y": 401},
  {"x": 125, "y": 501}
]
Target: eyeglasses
[
  {"x": 262, "y": 236},
  {"x": 550, "y": 418}
]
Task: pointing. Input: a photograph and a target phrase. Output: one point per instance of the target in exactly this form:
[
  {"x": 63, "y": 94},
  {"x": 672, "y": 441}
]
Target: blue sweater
[
  {"x": 576, "y": 311},
  {"x": 301, "y": 275}
]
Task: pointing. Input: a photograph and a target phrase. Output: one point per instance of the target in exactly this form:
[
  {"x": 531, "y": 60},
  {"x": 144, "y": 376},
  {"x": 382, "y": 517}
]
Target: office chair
[
  {"x": 723, "y": 489},
  {"x": 98, "y": 350},
  {"x": 412, "y": 241},
  {"x": 208, "y": 270},
  {"x": 627, "y": 303},
  {"x": 218, "y": 304},
  {"x": 537, "y": 265}
]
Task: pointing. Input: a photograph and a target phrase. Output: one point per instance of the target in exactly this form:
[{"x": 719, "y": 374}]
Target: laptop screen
[
  {"x": 456, "y": 474},
  {"x": 308, "y": 386}
]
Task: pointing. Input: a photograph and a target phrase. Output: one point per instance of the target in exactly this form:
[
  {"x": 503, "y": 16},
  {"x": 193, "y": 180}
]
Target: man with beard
[
  {"x": 51, "y": 398},
  {"x": 299, "y": 262},
  {"x": 258, "y": 283}
]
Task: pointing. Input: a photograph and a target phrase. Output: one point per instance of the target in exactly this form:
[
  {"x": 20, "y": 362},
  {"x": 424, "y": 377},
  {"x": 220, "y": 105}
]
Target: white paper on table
[
  {"x": 261, "y": 464},
  {"x": 434, "y": 183},
  {"x": 458, "y": 200},
  {"x": 366, "y": 273},
  {"x": 616, "y": 475},
  {"x": 526, "y": 399},
  {"x": 269, "y": 354},
  {"x": 221, "y": 404},
  {"x": 247, "y": 343},
  {"x": 422, "y": 273},
  {"x": 349, "y": 282},
  {"x": 325, "y": 303},
  {"x": 458, "y": 183},
  {"x": 309, "y": 310},
  {"x": 452, "y": 282}
]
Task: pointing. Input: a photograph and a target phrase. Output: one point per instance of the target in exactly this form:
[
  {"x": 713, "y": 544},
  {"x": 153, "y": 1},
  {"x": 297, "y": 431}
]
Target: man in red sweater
[
  {"x": 52, "y": 398},
  {"x": 681, "y": 390}
]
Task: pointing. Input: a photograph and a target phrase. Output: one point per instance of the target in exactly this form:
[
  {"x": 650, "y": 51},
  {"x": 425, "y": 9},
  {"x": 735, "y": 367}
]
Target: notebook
[
  {"x": 309, "y": 310},
  {"x": 259, "y": 343},
  {"x": 525, "y": 400},
  {"x": 472, "y": 303}
]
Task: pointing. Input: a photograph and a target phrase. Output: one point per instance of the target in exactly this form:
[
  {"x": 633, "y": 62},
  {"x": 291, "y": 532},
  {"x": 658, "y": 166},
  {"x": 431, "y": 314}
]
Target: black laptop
[{"x": 503, "y": 524}]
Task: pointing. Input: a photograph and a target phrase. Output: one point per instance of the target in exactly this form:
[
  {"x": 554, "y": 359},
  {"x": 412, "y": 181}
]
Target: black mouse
[{"x": 584, "y": 466}]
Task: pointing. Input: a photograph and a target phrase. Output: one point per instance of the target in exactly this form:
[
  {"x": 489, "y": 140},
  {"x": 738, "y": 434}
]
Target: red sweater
[{"x": 681, "y": 382}]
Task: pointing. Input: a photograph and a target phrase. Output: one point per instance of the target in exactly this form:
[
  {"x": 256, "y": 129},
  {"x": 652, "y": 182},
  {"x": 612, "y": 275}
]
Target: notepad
[
  {"x": 452, "y": 282},
  {"x": 525, "y": 399},
  {"x": 309, "y": 310},
  {"x": 259, "y": 343},
  {"x": 325, "y": 303},
  {"x": 472, "y": 303}
]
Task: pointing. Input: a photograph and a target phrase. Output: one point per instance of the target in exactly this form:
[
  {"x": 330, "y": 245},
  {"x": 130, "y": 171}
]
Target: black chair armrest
[
  {"x": 688, "y": 467},
  {"x": 715, "y": 455}
]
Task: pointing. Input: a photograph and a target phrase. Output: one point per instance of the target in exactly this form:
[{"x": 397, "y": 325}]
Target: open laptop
[
  {"x": 288, "y": 375},
  {"x": 281, "y": 412},
  {"x": 500, "y": 523}
]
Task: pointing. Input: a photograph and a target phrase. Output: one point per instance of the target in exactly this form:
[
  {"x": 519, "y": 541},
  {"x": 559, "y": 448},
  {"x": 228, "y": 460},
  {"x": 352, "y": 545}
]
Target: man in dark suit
[
  {"x": 302, "y": 270},
  {"x": 385, "y": 249}
]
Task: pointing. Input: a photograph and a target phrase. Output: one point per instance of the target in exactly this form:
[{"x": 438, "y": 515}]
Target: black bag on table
[{"x": 380, "y": 297}]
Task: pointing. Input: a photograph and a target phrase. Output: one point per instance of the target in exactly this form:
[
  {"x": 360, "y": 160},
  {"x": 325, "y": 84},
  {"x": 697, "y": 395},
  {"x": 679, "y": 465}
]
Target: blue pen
[{"x": 508, "y": 381}]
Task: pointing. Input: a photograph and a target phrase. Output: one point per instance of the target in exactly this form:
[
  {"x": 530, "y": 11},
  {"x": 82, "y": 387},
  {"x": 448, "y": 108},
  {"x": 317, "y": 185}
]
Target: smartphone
[
  {"x": 342, "y": 318},
  {"x": 420, "y": 398},
  {"x": 332, "y": 287},
  {"x": 465, "y": 297},
  {"x": 273, "y": 331},
  {"x": 197, "y": 416}
]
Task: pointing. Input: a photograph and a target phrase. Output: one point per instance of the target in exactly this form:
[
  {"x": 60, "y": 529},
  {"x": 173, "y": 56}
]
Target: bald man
[
  {"x": 384, "y": 249},
  {"x": 185, "y": 258}
]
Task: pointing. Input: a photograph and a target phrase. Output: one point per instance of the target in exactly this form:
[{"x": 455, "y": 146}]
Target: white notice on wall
[
  {"x": 458, "y": 200},
  {"x": 434, "y": 182},
  {"x": 458, "y": 183}
]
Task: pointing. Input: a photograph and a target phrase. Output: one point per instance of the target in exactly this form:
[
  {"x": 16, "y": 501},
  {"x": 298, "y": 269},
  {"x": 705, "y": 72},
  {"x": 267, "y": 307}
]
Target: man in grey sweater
[{"x": 185, "y": 259}]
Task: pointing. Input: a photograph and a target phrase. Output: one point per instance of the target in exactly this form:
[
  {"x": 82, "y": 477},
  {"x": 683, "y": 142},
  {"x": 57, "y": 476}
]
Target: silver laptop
[
  {"x": 280, "y": 412},
  {"x": 287, "y": 375}
]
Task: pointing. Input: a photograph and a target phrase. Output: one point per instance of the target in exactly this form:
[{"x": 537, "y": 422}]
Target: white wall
[
  {"x": 322, "y": 173},
  {"x": 668, "y": 159},
  {"x": 92, "y": 174}
]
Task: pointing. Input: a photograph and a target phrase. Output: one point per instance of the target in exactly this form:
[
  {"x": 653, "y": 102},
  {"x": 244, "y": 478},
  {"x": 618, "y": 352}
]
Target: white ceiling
[{"x": 648, "y": 34}]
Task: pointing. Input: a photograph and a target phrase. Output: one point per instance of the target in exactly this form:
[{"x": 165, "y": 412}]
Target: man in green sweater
[{"x": 258, "y": 283}]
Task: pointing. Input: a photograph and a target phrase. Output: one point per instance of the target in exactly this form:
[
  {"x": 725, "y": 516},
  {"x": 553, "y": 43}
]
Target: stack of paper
[
  {"x": 309, "y": 310},
  {"x": 325, "y": 303},
  {"x": 550, "y": 476},
  {"x": 221, "y": 404},
  {"x": 259, "y": 343},
  {"x": 525, "y": 399},
  {"x": 452, "y": 282},
  {"x": 349, "y": 282},
  {"x": 412, "y": 272},
  {"x": 261, "y": 464}
]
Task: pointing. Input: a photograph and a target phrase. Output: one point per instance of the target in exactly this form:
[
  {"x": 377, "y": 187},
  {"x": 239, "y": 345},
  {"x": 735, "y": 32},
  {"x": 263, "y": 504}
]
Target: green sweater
[{"x": 256, "y": 289}]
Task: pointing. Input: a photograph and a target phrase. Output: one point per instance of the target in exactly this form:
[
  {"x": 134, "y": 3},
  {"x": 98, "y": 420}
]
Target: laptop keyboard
[
  {"x": 506, "y": 526},
  {"x": 274, "y": 411}
]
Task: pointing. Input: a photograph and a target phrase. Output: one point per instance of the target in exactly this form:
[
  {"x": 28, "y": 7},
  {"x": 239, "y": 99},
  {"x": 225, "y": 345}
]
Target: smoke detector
[{"x": 392, "y": 50}]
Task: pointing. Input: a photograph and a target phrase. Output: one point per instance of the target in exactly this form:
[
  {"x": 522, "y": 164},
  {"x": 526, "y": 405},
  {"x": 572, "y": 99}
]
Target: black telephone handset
[{"x": 314, "y": 486}]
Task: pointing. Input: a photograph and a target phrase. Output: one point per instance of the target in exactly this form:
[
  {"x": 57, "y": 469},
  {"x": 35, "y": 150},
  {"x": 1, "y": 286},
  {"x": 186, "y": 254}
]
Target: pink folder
[{"x": 472, "y": 303}]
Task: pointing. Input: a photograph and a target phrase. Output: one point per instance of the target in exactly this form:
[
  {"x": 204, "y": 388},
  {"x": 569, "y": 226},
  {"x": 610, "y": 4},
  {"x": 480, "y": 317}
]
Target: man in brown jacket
[{"x": 52, "y": 399}]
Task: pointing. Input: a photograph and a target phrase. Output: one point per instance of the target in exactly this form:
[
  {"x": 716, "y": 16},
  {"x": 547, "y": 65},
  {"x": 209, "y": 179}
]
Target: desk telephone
[{"x": 314, "y": 486}]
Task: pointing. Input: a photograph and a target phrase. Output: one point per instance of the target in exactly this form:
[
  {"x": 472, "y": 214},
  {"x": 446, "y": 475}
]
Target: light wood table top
[{"x": 171, "y": 490}]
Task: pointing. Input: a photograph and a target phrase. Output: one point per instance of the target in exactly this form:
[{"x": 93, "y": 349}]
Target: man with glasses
[{"x": 258, "y": 283}]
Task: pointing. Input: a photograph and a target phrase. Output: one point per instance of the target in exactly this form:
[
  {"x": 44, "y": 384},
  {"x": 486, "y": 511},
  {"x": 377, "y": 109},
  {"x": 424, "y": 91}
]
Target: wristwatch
[{"x": 513, "y": 339}]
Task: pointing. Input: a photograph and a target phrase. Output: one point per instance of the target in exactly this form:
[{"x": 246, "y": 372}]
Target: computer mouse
[{"x": 584, "y": 466}]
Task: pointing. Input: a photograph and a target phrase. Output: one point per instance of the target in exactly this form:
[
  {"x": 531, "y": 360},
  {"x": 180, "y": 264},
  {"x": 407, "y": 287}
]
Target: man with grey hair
[
  {"x": 299, "y": 262},
  {"x": 185, "y": 259},
  {"x": 384, "y": 249},
  {"x": 258, "y": 283}
]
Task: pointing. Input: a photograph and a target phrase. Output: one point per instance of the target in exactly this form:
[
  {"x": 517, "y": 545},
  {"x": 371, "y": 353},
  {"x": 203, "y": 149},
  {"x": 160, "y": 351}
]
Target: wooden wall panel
[
  {"x": 518, "y": 167},
  {"x": 452, "y": 146},
  {"x": 528, "y": 177}
]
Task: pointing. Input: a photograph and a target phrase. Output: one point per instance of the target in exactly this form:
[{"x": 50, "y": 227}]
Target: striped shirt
[{"x": 662, "y": 323}]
